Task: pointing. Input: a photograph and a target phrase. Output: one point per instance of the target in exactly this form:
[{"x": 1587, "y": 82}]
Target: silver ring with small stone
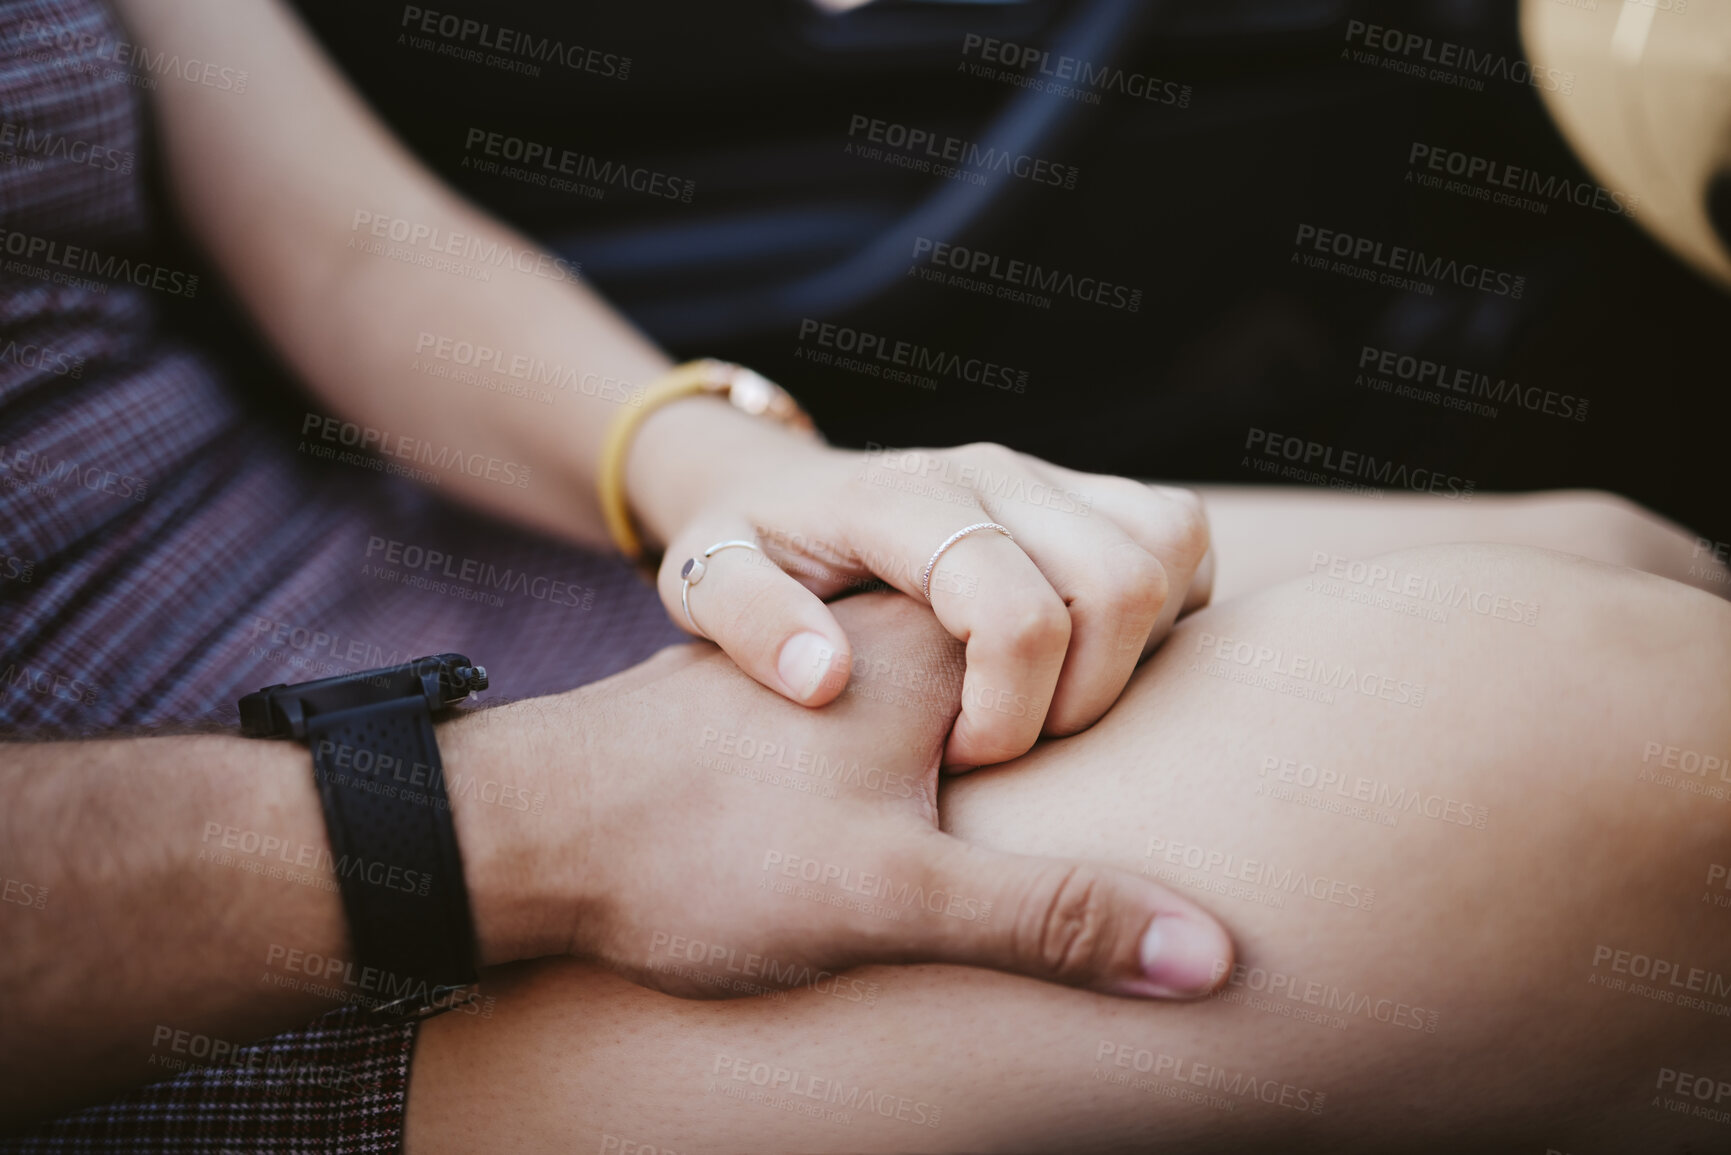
[{"x": 693, "y": 570}]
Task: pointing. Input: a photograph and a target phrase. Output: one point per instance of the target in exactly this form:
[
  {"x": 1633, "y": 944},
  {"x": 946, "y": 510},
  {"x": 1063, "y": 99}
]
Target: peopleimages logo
[
  {"x": 1383, "y": 795},
  {"x": 1258, "y": 872},
  {"x": 486, "y": 359},
  {"x": 908, "y": 895},
  {"x": 1471, "y": 383},
  {"x": 785, "y": 1087},
  {"x": 463, "y": 246},
  {"x": 1208, "y": 1075},
  {"x": 1014, "y": 276},
  {"x": 1330, "y": 997},
  {"x": 148, "y": 65},
  {"x": 366, "y": 986},
  {"x": 25, "y": 469},
  {"x": 474, "y": 572},
  {"x": 387, "y": 444},
  {"x": 515, "y": 50},
  {"x": 28, "y": 247},
  {"x": 33, "y": 356},
  {"x": 1064, "y": 75},
  {"x": 909, "y": 355},
  {"x": 271, "y": 1073},
  {"x": 28, "y": 141},
  {"x": 554, "y": 161},
  {"x": 1352, "y": 463},
  {"x": 934, "y": 147},
  {"x": 1488, "y": 179},
  {"x": 253, "y": 844},
  {"x": 1428, "y": 58},
  {"x": 46, "y": 683},
  {"x": 1398, "y": 259}
]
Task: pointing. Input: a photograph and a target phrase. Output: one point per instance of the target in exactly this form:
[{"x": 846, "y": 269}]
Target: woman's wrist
[{"x": 688, "y": 450}]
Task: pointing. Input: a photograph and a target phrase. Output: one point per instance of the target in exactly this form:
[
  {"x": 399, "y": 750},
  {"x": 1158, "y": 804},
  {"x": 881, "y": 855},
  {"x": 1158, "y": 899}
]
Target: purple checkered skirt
[
  {"x": 338, "y": 1087},
  {"x": 163, "y": 553}
]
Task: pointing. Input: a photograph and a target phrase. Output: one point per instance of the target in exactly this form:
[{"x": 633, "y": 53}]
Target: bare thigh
[{"x": 1473, "y": 858}]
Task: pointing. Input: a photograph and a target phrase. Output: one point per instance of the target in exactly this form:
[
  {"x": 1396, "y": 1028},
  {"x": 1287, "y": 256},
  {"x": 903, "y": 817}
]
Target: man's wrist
[{"x": 514, "y": 777}]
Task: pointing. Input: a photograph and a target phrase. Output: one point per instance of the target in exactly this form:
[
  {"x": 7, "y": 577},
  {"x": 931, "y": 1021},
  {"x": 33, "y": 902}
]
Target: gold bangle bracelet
[{"x": 745, "y": 390}]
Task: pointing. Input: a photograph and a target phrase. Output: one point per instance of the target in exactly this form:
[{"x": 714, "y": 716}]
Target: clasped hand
[
  {"x": 690, "y": 806},
  {"x": 1054, "y": 616}
]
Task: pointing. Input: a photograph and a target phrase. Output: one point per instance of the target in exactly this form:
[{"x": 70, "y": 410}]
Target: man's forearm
[{"x": 185, "y": 900}]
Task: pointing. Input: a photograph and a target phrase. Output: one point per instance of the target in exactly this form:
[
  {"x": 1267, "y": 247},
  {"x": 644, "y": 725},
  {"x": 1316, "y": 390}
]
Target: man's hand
[
  {"x": 192, "y": 893},
  {"x": 698, "y": 808}
]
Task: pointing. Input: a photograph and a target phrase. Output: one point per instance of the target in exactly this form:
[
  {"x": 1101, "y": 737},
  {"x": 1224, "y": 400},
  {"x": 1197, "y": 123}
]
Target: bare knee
[
  {"x": 1570, "y": 607},
  {"x": 1583, "y": 707},
  {"x": 1612, "y": 529}
]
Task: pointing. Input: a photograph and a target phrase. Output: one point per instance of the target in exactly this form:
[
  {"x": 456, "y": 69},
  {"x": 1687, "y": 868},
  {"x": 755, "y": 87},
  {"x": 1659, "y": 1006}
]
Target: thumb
[
  {"x": 1066, "y": 921},
  {"x": 777, "y": 631}
]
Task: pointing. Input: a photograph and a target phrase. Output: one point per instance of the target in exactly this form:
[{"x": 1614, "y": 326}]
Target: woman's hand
[
  {"x": 1054, "y": 620},
  {"x": 1055, "y": 616},
  {"x": 707, "y": 838}
]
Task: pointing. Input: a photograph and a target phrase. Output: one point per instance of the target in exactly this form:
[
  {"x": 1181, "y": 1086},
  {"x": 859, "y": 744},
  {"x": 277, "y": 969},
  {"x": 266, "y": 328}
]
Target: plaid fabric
[
  {"x": 163, "y": 551},
  {"x": 337, "y": 1088}
]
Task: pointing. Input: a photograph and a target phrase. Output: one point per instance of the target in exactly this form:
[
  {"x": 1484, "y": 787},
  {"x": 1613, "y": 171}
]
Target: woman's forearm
[{"x": 407, "y": 311}]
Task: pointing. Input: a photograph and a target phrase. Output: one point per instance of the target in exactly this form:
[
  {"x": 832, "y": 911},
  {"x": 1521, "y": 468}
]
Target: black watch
[{"x": 392, "y": 841}]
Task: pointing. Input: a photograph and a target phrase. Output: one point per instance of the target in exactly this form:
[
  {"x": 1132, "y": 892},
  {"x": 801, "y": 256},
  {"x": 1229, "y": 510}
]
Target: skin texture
[
  {"x": 1267, "y": 534},
  {"x": 695, "y": 790},
  {"x": 1099, "y": 568},
  {"x": 1495, "y": 930},
  {"x": 1055, "y": 615},
  {"x": 120, "y": 825},
  {"x": 301, "y": 153},
  {"x": 639, "y": 823}
]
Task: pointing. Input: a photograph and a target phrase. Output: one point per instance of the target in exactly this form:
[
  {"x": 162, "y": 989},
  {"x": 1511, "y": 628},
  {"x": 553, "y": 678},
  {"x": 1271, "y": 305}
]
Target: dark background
[{"x": 1198, "y": 206}]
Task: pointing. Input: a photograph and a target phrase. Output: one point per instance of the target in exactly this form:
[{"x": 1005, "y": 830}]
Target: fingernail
[
  {"x": 804, "y": 661},
  {"x": 1182, "y": 958}
]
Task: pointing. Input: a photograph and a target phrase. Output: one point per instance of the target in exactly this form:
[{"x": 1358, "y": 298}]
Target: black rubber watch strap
[{"x": 395, "y": 848}]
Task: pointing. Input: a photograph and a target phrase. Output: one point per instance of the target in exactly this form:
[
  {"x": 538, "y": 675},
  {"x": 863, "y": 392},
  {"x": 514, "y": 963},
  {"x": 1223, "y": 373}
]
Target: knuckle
[
  {"x": 987, "y": 449},
  {"x": 1125, "y": 490},
  {"x": 1622, "y": 518},
  {"x": 1186, "y": 524},
  {"x": 1035, "y": 628},
  {"x": 1602, "y": 498},
  {"x": 989, "y": 457},
  {"x": 1600, "y": 505},
  {"x": 1170, "y": 521},
  {"x": 1137, "y": 586},
  {"x": 1062, "y": 926}
]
